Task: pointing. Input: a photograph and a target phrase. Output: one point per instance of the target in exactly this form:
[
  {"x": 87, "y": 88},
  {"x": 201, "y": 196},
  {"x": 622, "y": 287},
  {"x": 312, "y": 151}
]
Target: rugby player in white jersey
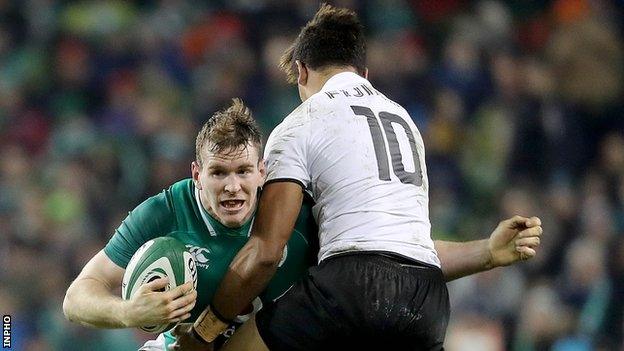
[{"x": 379, "y": 282}]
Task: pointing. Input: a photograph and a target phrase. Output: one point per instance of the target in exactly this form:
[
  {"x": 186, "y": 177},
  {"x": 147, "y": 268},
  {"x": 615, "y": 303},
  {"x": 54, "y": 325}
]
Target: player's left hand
[
  {"x": 514, "y": 239},
  {"x": 186, "y": 340}
]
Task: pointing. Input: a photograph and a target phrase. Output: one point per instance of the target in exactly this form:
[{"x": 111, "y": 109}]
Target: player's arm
[
  {"x": 92, "y": 299},
  {"x": 257, "y": 261},
  {"x": 512, "y": 240}
]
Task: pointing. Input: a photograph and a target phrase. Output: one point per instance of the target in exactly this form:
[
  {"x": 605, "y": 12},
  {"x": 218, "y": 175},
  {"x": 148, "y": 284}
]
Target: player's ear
[
  {"x": 366, "y": 73},
  {"x": 195, "y": 169},
  {"x": 302, "y": 79},
  {"x": 262, "y": 169}
]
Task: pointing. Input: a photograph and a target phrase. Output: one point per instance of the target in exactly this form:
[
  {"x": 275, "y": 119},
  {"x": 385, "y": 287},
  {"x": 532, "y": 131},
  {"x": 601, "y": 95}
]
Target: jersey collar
[
  {"x": 340, "y": 79},
  {"x": 212, "y": 222}
]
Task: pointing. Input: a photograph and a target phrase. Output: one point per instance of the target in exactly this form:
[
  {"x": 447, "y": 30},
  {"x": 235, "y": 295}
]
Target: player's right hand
[
  {"x": 150, "y": 305},
  {"x": 514, "y": 239}
]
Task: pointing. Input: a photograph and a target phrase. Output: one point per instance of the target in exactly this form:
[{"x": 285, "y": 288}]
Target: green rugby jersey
[{"x": 175, "y": 212}]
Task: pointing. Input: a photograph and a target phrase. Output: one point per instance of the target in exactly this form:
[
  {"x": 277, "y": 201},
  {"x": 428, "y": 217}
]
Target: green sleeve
[{"x": 152, "y": 218}]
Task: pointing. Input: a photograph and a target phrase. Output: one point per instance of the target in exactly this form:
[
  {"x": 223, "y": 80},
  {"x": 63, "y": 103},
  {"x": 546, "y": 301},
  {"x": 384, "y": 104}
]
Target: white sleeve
[
  {"x": 286, "y": 150},
  {"x": 159, "y": 344}
]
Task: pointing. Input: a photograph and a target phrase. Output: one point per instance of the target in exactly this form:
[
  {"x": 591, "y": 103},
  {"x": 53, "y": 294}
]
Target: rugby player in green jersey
[{"x": 211, "y": 214}]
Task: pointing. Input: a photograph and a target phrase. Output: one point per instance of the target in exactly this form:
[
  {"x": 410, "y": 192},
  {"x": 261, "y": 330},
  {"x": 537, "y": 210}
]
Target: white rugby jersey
[{"x": 362, "y": 159}]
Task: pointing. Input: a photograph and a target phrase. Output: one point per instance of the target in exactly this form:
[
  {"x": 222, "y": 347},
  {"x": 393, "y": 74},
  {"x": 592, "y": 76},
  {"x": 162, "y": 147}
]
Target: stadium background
[{"x": 520, "y": 104}]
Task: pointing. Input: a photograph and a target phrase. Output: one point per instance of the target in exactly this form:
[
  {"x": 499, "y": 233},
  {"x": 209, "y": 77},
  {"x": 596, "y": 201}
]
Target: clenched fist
[{"x": 514, "y": 239}]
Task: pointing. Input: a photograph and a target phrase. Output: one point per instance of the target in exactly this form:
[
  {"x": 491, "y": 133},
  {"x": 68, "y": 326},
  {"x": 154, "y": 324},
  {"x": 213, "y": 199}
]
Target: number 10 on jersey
[{"x": 390, "y": 138}]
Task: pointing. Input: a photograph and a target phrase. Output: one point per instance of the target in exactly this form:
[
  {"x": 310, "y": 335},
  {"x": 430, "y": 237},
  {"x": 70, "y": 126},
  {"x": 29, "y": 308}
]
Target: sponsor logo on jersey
[{"x": 201, "y": 255}]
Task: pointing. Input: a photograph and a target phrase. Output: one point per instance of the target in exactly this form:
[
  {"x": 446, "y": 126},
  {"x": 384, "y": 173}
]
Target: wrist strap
[
  {"x": 208, "y": 326},
  {"x": 197, "y": 336}
]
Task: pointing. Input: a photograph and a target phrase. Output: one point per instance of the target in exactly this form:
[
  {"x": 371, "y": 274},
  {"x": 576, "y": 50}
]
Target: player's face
[{"x": 228, "y": 183}]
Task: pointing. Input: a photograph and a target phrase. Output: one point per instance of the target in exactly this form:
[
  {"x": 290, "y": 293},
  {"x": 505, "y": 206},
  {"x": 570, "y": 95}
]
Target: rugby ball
[{"x": 158, "y": 258}]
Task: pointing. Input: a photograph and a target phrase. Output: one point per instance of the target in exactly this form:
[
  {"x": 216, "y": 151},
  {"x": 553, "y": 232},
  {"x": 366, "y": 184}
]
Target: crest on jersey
[{"x": 201, "y": 254}]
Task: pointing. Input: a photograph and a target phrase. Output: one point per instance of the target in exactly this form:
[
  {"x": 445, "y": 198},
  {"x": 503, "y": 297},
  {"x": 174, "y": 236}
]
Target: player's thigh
[{"x": 246, "y": 338}]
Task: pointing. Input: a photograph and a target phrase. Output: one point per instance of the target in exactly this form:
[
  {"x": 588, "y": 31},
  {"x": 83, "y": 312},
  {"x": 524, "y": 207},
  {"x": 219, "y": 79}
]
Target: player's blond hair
[
  {"x": 334, "y": 37},
  {"x": 227, "y": 130}
]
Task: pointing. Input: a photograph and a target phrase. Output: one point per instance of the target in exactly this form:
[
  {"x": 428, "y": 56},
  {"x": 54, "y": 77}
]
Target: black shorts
[{"x": 360, "y": 301}]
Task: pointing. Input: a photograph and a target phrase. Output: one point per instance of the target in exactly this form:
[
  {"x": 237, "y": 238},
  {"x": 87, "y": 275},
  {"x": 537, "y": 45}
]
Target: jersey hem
[
  {"x": 420, "y": 256},
  {"x": 391, "y": 254}
]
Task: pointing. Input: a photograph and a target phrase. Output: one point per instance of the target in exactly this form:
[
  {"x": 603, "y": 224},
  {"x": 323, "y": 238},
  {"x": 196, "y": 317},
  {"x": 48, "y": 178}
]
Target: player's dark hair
[
  {"x": 228, "y": 130},
  {"x": 334, "y": 37}
]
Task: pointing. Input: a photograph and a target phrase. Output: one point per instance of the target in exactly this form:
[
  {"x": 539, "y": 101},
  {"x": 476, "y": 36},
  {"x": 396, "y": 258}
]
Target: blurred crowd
[{"x": 520, "y": 103}]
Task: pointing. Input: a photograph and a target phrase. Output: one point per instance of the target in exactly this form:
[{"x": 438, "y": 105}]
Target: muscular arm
[
  {"x": 459, "y": 259},
  {"x": 90, "y": 300},
  {"x": 513, "y": 239}
]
